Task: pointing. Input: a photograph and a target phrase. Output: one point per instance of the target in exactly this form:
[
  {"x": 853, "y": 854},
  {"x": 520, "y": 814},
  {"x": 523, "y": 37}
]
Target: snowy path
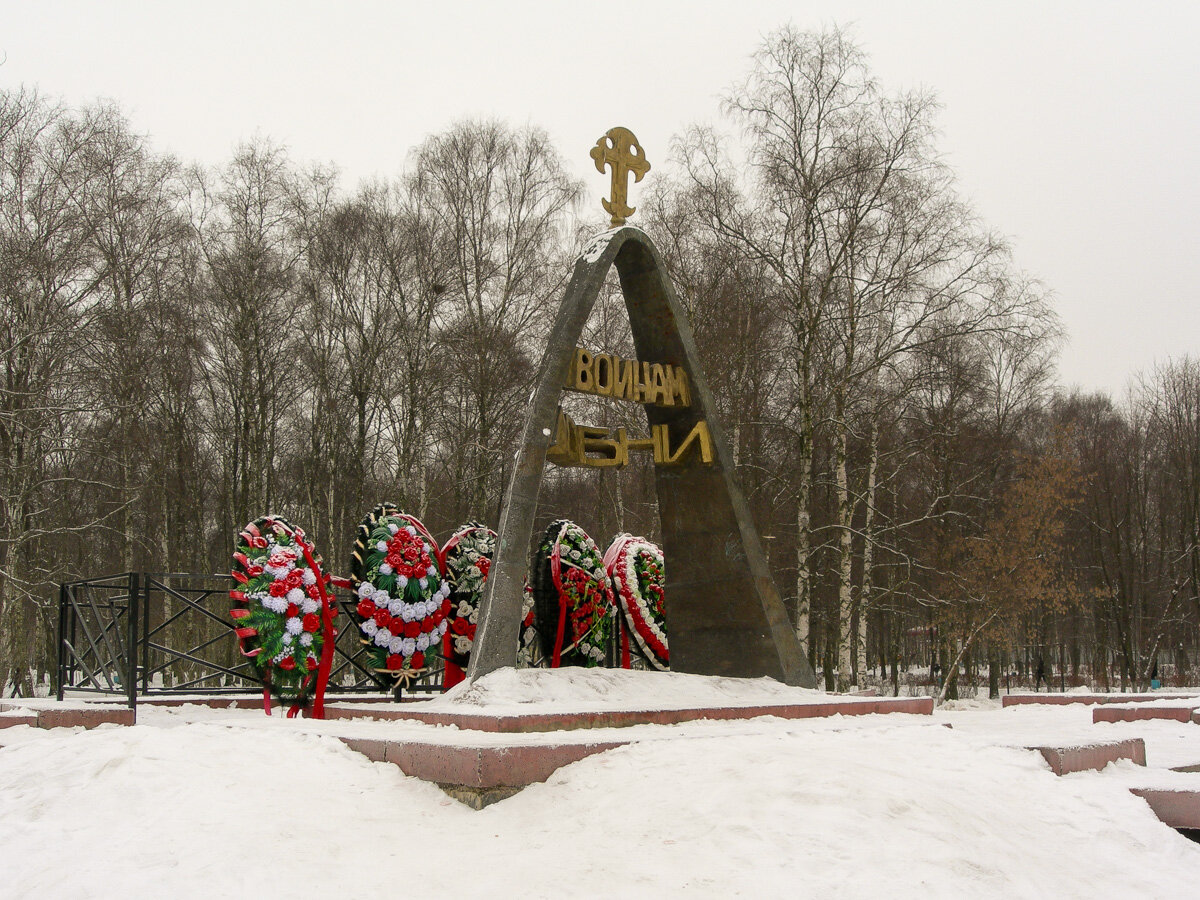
[{"x": 185, "y": 804}]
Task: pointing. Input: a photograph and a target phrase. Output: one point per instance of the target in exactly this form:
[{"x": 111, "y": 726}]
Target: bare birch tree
[{"x": 497, "y": 200}]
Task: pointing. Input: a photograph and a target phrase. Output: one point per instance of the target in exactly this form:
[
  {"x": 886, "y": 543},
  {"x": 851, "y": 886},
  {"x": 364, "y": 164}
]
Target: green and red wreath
[
  {"x": 573, "y": 598},
  {"x": 466, "y": 560},
  {"x": 635, "y": 567},
  {"x": 282, "y": 617}
]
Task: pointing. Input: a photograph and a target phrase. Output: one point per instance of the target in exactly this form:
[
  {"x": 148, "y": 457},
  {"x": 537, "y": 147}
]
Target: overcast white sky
[{"x": 1074, "y": 127}]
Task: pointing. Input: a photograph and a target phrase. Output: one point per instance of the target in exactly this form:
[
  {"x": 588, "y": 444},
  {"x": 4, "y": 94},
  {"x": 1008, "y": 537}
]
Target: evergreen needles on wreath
[
  {"x": 467, "y": 559},
  {"x": 402, "y": 600},
  {"x": 279, "y": 613},
  {"x": 572, "y": 596},
  {"x": 635, "y": 566}
]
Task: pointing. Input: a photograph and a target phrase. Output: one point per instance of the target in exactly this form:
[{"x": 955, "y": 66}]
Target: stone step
[
  {"x": 478, "y": 776},
  {"x": 1177, "y": 808},
  {"x": 1061, "y": 699},
  {"x": 568, "y": 721},
  {"x": 11, "y": 719},
  {"x": 72, "y": 717},
  {"x": 1064, "y": 760},
  {"x": 1142, "y": 713}
]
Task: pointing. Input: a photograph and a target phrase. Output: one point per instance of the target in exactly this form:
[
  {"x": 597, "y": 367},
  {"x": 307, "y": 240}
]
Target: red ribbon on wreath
[
  {"x": 611, "y": 555},
  {"x": 329, "y": 637},
  {"x": 453, "y": 673}
]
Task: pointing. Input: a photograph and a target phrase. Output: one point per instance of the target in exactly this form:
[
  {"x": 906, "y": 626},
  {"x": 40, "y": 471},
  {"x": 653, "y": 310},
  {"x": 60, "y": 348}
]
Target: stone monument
[{"x": 724, "y": 614}]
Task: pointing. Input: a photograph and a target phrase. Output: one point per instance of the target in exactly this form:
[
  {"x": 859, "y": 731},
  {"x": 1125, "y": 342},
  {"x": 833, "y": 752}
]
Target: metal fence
[
  {"x": 97, "y": 631},
  {"x": 147, "y": 634}
]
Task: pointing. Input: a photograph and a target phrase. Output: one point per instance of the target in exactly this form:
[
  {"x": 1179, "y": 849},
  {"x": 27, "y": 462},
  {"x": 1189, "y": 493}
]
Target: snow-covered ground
[
  {"x": 194, "y": 802},
  {"x": 508, "y": 691}
]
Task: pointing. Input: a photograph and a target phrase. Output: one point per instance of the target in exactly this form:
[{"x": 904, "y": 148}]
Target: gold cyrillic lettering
[
  {"x": 582, "y": 378},
  {"x": 614, "y": 453},
  {"x": 698, "y": 435},
  {"x": 679, "y": 390},
  {"x": 626, "y": 377},
  {"x": 602, "y": 374},
  {"x": 659, "y": 392},
  {"x": 606, "y": 375}
]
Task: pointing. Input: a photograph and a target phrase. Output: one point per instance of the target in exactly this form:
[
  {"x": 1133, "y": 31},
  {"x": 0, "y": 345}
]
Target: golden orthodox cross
[{"x": 620, "y": 150}]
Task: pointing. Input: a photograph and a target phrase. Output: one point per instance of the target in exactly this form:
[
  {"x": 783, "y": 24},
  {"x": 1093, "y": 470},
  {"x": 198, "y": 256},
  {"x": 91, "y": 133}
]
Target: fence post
[
  {"x": 60, "y": 656},
  {"x": 145, "y": 634},
  {"x": 131, "y": 646}
]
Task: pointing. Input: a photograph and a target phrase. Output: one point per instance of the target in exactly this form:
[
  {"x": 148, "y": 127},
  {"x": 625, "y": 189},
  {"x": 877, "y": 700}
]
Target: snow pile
[
  {"x": 972, "y": 703},
  {"x": 588, "y": 690},
  {"x": 765, "y": 807}
]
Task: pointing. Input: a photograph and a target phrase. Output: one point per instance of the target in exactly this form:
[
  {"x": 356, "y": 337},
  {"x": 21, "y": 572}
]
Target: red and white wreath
[
  {"x": 283, "y": 617},
  {"x": 635, "y": 566},
  {"x": 402, "y": 600}
]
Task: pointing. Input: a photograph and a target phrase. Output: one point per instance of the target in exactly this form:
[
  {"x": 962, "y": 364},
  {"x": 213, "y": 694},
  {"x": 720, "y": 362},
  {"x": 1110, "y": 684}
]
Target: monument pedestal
[{"x": 495, "y": 755}]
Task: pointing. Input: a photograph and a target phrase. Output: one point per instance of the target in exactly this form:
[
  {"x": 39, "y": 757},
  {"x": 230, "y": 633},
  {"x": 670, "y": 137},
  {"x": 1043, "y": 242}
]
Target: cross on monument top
[{"x": 620, "y": 150}]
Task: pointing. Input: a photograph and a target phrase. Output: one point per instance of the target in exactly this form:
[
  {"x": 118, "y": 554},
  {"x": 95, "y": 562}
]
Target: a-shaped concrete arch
[{"x": 724, "y": 614}]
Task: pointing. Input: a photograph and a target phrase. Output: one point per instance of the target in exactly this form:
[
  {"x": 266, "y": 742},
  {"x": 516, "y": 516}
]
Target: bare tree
[
  {"x": 247, "y": 220},
  {"x": 870, "y": 256},
  {"x": 46, "y": 293},
  {"x": 497, "y": 201},
  {"x": 372, "y": 300},
  {"x": 132, "y": 205}
]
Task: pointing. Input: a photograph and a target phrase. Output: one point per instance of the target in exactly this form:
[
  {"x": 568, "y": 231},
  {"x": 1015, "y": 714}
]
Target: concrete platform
[
  {"x": 488, "y": 766},
  {"x": 508, "y": 723},
  {"x": 1092, "y": 757},
  {"x": 481, "y": 774},
  {"x": 1060, "y": 699}
]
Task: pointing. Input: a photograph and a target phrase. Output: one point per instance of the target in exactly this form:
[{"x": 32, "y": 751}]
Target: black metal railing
[
  {"x": 151, "y": 634},
  {"x": 97, "y": 634},
  {"x": 185, "y": 641}
]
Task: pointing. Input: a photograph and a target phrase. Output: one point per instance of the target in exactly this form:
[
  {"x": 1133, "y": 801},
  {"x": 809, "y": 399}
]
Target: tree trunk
[
  {"x": 865, "y": 593},
  {"x": 845, "y": 636},
  {"x": 993, "y": 672},
  {"x": 803, "y": 537}
]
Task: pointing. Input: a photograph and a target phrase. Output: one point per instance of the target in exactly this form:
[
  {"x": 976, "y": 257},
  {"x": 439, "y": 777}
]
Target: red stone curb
[
  {"x": 1065, "y": 760},
  {"x": 1061, "y": 699},
  {"x": 8, "y": 721},
  {"x": 70, "y": 718},
  {"x": 1138, "y": 714},
  {"x": 1179, "y": 809},
  {"x": 85, "y": 718},
  {"x": 538, "y": 722}
]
